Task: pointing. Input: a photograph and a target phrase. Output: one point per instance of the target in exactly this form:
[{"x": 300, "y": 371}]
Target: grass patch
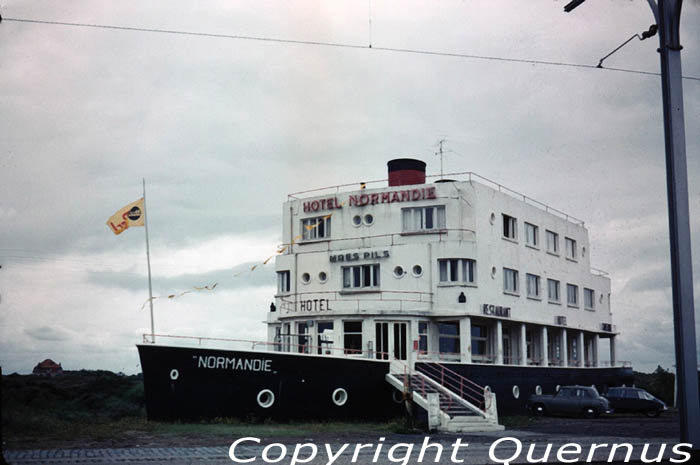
[{"x": 99, "y": 407}]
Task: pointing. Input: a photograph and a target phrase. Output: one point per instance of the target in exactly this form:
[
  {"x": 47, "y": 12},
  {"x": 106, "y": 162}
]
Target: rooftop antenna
[{"x": 441, "y": 153}]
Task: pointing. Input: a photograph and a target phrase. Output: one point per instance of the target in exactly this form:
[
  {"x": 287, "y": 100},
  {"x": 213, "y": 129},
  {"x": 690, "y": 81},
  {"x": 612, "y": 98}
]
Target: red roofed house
[{"x": 48, "y": 368}]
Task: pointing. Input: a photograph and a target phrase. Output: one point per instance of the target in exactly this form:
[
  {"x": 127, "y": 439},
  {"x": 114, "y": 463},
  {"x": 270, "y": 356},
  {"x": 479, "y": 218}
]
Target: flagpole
[{"x": 148, "y": 261}]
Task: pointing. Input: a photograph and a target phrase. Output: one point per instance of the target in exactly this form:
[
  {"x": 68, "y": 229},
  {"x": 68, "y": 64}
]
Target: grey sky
[{"x": 223, "y": 129}]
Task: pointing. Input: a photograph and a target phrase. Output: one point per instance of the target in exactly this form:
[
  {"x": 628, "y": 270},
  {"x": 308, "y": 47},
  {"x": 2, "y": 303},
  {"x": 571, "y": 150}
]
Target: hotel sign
[
  {"x": 361, "y": 200},
  {"x": 496, "y": 310}
]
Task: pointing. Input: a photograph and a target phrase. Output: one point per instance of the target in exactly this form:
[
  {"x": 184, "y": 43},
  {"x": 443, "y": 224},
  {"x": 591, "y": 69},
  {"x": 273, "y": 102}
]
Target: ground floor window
[
  {"x": 352, "y": 337},
  {"x": 303, "y": 338},
  {"x": 422, "y": 337},
  {"x": 448, "y": 335},
  {"x": 325, "y": 337},
  {"x": 480, "y": 349}
]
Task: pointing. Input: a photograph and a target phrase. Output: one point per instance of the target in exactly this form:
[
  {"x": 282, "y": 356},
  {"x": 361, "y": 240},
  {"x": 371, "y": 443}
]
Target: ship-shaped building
[{"x": 459, "y": 281}]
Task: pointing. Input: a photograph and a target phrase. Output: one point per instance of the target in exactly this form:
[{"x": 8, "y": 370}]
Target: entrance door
[{"x": 391, "y": 340}]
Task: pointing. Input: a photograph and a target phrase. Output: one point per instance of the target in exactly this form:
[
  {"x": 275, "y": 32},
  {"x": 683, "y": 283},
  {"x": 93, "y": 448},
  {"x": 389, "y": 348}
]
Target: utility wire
[{"x": 342, "y": 45}]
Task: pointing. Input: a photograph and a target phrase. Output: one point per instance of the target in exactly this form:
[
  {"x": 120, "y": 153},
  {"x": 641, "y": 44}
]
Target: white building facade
[{"x": 465, "y": 271}]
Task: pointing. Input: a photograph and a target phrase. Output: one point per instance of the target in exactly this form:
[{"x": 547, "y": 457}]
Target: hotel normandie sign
[{"x": 361, "y": 200}]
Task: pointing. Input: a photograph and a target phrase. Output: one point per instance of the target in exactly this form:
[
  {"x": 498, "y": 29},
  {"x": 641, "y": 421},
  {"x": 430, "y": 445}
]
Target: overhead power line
[{"x": 340, "y": 45}]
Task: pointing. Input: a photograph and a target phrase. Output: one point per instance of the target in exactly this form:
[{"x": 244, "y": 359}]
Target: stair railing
[{"x": 463, "y": 387}]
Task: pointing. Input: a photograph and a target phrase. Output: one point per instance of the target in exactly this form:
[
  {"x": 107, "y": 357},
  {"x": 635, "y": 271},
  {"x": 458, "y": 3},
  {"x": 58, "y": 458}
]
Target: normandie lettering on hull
[{"x": 226, "y": 363}]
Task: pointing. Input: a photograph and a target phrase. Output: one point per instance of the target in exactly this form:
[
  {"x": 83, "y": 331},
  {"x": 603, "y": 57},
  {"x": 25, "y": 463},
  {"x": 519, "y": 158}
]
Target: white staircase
[{"x": 453, "y": 402}]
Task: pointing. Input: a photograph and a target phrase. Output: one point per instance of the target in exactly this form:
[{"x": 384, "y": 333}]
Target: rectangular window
[
  {"x": 588, "y": 298},
  {"x": 448, "y": 335},
  {"x": 570, "y": 248},
  {"x": 479, "y": 343},
  {"x": 303, "y": 338},
  {"x": 553, "y": 290},
  {"x": 422, "y": 337},
  {"x": 423, "y": 218},
  {"x": 456, "y": 270},
  {"x": 316, "y": 228},
  {"x": 325, "y": 337},
  {"x": 352, "y": 337},
  {"x": 361, "y": 276},
  {"x": 533, "y": 285},
  {"x": 532, "y": 235},
  {"x": 283, "y": 282},
  {"x": 510, "y": 280},
  {"x": 572, "y": 294},
  {"x": 510, "y": 227},
  {"x": 552, "y": 242}
]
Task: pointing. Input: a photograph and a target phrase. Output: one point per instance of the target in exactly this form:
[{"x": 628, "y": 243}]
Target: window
[
  {"x": 553, "y": 290},
  {"x": 588, "y": 298},
  {"x": 552, "y": 242},
  {"x": 570, "y": 248},
  {"x": 423, "y": 218},
  {"x": 352, "y": 337},
  {"x": 316, "y": 228},
  {"x": 532, "y": 235},
  {"x": 324, "y": 331},
  {"x": 283, "y": 282},
  {"x": 422, "y": 337},
  {"x": 448, "y": 332},
  {"x": 572, "y": 294},
  {"x": 303, "y": 338},
  {"x": 533, "y": 285},
  {"x": 361, "y": 276},
  {"x": 479, "y": 342},
  {"x": 510, "y": 227},
  {"x": 510, "y": 280},
  {"x": 455, "y": 270}
]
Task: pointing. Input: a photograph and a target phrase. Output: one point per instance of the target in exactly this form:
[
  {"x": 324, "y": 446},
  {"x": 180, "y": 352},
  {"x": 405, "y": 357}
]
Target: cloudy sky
[{"x": 222, "y": 129}]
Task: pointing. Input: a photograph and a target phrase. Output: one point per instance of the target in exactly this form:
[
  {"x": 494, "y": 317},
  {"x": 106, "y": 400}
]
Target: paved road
[{"x": 477, "y": 451}]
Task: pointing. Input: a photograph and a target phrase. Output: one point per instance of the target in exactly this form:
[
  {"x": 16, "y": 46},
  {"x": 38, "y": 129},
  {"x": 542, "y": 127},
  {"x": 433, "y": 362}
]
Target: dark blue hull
[{"x": 192, "y": 383}]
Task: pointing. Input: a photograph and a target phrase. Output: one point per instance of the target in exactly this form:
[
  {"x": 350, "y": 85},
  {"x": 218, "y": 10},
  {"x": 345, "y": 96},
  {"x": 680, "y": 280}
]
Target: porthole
[
  {"x": 492, "y": 218},
  {"x": 516, "y": 391},
  {"x": 306, "y": 278},
  {"x": 174, "y": 374},
  {"x": 266, "y": 398},
  {"x": 493, "y": 272},
  {"x": 398, "y": 271},
  {"x": 417, "y": 271},
  {"x": 356, "y": 220},
  {"x": 369, "y": 219},
  {"x": 397, "y": 396},
  {"x": 538, "y": 390},
  {"x": 340, "y": 397},
  {"x": 322, "y": 277}
]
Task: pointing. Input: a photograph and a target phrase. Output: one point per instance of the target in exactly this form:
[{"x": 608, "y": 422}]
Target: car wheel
[
  {"x": 590, "y": 412},
  {"x": 652, "y": 413},
  {"x": 538, "y": 409}
]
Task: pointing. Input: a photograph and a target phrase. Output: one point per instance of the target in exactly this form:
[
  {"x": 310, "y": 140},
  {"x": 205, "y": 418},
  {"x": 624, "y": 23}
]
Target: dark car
[
  {"x": 629, "y": 399},
  {"x": 571, "y": 400}
]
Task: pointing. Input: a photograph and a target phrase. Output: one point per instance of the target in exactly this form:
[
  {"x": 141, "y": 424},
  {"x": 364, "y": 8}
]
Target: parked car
[
  {"x": 571, "y": 400},
  {"x": 629, "y": 399}
]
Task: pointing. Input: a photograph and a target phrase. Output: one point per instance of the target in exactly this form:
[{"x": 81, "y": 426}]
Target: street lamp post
[{"x": 668, "y": 15}]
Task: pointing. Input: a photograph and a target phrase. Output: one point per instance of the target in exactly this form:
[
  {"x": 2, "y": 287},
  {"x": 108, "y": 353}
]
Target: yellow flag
[{"x": 130, "y": 215}]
